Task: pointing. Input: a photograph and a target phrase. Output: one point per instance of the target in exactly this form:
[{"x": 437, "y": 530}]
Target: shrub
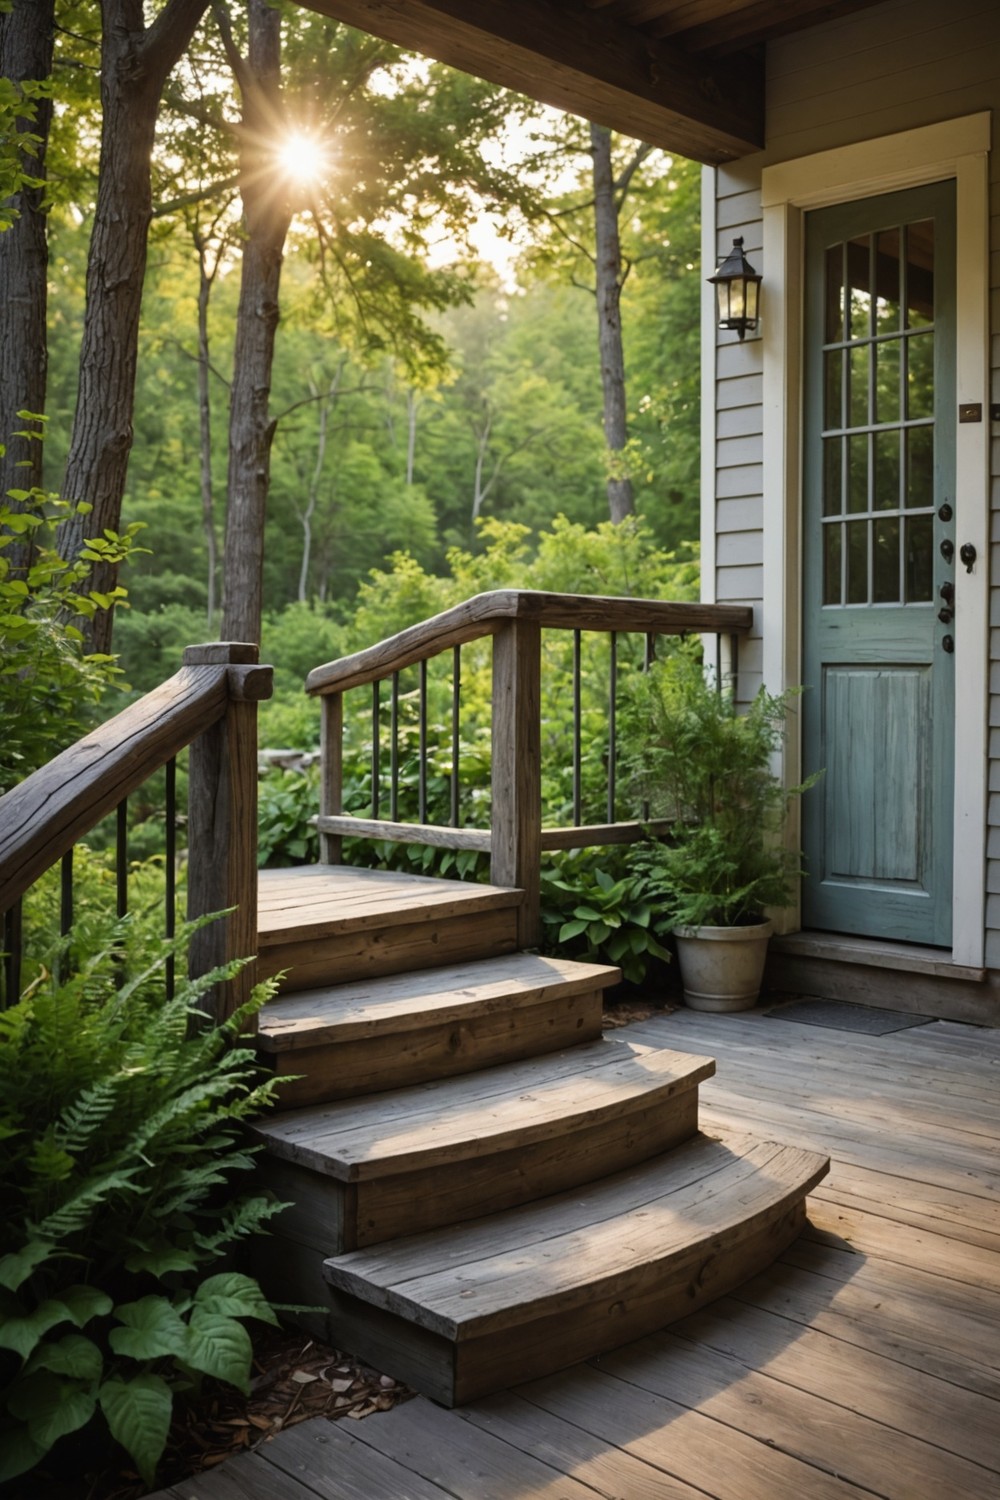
[
  {"x": 595, "y": 909},
  {"x": 121, "y": 1115}
]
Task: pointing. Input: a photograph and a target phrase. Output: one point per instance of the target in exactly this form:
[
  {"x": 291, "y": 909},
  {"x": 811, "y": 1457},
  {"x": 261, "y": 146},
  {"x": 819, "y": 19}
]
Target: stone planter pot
[{"x": 722, "y": 967}]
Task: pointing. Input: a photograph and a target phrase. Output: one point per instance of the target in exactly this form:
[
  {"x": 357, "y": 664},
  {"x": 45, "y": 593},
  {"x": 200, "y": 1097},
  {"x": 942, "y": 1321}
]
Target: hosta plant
[
  {"x": 593, "y": 909},
  {"x": 121, "y": 1117}
]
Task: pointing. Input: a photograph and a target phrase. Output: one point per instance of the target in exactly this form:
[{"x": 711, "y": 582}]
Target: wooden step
[
  {"x": 465, "y": 1311},
  {"x": 373, "y": 1168},
  {"x": 380, "y": 1034},
  {"x": 329, "y": 924}
]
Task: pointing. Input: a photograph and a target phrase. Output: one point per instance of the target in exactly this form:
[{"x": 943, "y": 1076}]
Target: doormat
[{"x": 840, "y": 1015}]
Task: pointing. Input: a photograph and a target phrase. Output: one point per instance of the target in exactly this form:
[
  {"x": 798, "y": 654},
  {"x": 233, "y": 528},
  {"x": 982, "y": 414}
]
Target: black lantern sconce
[{"x": 737, "y": 287}]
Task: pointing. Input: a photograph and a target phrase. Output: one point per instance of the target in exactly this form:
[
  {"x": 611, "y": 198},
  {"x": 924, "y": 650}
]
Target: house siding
[{"x": 901, "y": 65}]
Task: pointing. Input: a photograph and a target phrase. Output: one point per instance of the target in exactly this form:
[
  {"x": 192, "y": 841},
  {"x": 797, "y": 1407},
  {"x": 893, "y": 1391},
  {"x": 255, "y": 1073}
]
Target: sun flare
[{"x": 303, "y": 157}]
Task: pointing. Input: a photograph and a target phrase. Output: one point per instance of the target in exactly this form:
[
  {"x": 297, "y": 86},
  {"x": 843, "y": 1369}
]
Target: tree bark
[
  {"x": 205, "y": 279},
  {"x": 135, "y": 63},
  {"x": 26, "y": 34},
  {"x": 251, "y": 430},
  {"x": 608, "y": 267}
]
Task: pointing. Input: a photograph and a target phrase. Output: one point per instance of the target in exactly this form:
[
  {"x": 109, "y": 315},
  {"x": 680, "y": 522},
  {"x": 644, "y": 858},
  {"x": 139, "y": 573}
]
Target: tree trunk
[
  {"x": 25, "y": 55},
  {"x": 251, "y": 430},
  {"x": 135, "y": 62},
  {"x": 608, "y": 266},
  {"x": 205, "y": 279}
]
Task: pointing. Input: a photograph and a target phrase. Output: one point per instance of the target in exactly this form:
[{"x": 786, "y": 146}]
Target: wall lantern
[{"x": 737, "y": 286}]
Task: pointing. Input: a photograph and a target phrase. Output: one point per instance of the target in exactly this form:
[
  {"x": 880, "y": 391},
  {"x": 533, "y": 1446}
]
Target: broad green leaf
[
  {"x": 18, "y": 1266},
  {"x": 219, "y": 1346},
  {"x": 235, "y": 1296},
  {"x": 571, "y": 929},
  {"x": 587, "y": 913},
  {"x": 598, "y": 932},
  {"x": 22, "y": 1332},
  {"x": 51, "y": 1406},
  {"x": 71, "y": 1355},
  {"x": 86, "y": 1302},
  {"x": 159, "y": 1261},
  {"x": 18, "y": 1453},
  {"x": 152, "y": 1328},
  {"x": 138, "y": 1414}
]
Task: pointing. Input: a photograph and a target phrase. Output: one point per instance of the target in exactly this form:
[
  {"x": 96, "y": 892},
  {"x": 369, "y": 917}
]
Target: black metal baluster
[
  {"x": 66, "y": 893},
  {"x": 375, "y": 747},
  {"x": 577, "y": 733},
  {"x": 456, "y": 689},
  {"x": 612, "y": 726},
  {"x": 394, "y": 750},
  {"x": 170, "y": 871},
  {"x": 121, "y": 859},
  {"x": 422, "y": 785},
  {"x": 12, "y": 940}
]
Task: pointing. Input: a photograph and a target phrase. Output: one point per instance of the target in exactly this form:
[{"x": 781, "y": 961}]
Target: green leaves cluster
[
  {"x": 49, "y": 682},
  {"x": 695, "y": 758},
  {"x": 121, "y": 1117},
  {"x": 595, "y": 909}
]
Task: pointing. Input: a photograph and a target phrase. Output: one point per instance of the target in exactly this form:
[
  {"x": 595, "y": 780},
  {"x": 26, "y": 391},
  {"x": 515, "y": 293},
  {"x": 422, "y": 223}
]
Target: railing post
[
  {"x": 331, "y": 791},
  {"x": 222, "y": 823},
  {"x": 517, "y": 780}
]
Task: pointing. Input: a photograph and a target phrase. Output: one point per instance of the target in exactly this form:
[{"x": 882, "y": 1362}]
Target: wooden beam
[{"x": 583, "y": 61}]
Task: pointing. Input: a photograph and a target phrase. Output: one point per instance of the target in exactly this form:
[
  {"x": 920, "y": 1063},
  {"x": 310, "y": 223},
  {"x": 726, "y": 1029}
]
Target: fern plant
[{"x": 121, "y": 1117}]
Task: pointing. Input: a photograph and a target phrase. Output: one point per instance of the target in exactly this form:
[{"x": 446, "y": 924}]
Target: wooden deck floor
[{"x": 866, "y": 1362}]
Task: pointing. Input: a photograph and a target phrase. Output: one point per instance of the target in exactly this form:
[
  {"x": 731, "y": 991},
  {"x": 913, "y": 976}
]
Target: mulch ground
[{"x": 294, "y": 1378}]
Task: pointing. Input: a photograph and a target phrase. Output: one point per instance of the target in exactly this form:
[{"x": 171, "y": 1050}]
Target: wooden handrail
[
  {"x": 485, "y": 614},
  {"x": 516, "y": 618},
  {"x": 210, "y": 705}
]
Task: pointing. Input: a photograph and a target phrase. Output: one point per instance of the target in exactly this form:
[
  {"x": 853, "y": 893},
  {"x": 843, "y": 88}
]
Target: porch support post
[
  {"x": 331, "y": 790},
  {"x": 222, "y": 825},
  {"x": 517, "y": 780}
]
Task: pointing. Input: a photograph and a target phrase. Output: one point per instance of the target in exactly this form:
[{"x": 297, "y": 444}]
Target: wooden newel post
[
  {"x": 517, "y": 776},
  {"x": 222, "y": 823},
  {"x": 331, "y": 796}
]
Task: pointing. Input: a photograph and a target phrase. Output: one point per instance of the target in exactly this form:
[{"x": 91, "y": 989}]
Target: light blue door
[{"x": 879, "y": 518}]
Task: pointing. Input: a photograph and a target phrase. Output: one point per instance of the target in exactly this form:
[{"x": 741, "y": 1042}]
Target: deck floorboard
[{"x": 865, "y": 1362}]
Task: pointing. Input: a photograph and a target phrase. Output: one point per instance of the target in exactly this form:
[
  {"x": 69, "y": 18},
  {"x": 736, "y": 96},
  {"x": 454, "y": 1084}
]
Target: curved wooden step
[
  {"x": 391, "y": 1164},
  {"x": 328, "y": 924},
  {"x": 384, "y": 1033},
  {"x": 469, "y": 1310}
]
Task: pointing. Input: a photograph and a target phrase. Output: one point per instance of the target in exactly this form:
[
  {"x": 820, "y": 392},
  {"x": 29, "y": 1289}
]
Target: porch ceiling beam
[{"x": 581, "y": 60}]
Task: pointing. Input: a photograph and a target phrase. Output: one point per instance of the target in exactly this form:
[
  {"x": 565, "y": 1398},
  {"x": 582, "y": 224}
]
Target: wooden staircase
[{"x": 484, "y": 1189}]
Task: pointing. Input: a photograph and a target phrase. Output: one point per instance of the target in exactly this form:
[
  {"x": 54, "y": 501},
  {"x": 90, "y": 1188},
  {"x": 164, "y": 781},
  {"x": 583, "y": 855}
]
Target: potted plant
[{"x": 697, "y": 761}]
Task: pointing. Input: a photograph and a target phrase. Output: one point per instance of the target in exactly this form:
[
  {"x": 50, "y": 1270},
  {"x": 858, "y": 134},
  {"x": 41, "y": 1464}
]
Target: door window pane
[
  {"x": 920, "y": 375},
  {"x": 857, "y": 478},
  {"x": 885, "y": 571},
  {"x": 858, "y": 407},
  {"x": 886, "y": 470},
  {"x": 833, "y": 467},
  {"x": 887, "y": 370},
  {"x": 919, "y": 559},
  {"x": 834, "y": 295},
  {"x": 857, "y": 562},
  {"x": 833, "y": 364},
  {"x": 920, "y": 274},
  {"x": 919, "y": 467},
  {"x": 887, "y": 281},
  {"x": 832, "y": 552},
  {"x": 859, "y": 295}
]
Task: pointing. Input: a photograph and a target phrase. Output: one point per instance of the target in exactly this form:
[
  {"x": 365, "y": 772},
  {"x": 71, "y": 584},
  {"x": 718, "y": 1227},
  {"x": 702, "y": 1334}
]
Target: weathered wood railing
[
  {"x": 515, "y": 619},
  {"x": 210, "y": 705}
]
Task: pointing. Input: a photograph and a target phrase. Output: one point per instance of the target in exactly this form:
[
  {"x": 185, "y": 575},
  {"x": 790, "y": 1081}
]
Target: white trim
[
  {"x": 709, "y": 186},
  {"x": 954, "y": 148}
]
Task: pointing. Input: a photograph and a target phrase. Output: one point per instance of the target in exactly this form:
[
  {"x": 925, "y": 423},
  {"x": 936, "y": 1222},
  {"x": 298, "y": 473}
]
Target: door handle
[{"x": 968, "y": 555}]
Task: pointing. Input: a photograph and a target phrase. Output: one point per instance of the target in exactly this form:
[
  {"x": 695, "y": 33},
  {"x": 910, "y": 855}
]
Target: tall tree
[
  {"x": 136, "y": 60},
  {"x": 26, "y": 45}
]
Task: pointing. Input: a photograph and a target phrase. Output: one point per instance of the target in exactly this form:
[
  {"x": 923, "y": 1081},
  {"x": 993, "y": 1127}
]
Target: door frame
[{"x": 952, "y": 149}]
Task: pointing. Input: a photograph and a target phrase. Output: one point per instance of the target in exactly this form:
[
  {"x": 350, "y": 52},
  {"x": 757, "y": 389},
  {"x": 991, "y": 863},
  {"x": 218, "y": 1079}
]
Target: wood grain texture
[
  {"x": 485, "y": 613},
  {"x": 44, "y": 816},
  {"x": 709, "y": 109},
  {"x": 331, "y": 786},
  {"x": 439, "y": 835},
  {"x": 516, "y": 771}
]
